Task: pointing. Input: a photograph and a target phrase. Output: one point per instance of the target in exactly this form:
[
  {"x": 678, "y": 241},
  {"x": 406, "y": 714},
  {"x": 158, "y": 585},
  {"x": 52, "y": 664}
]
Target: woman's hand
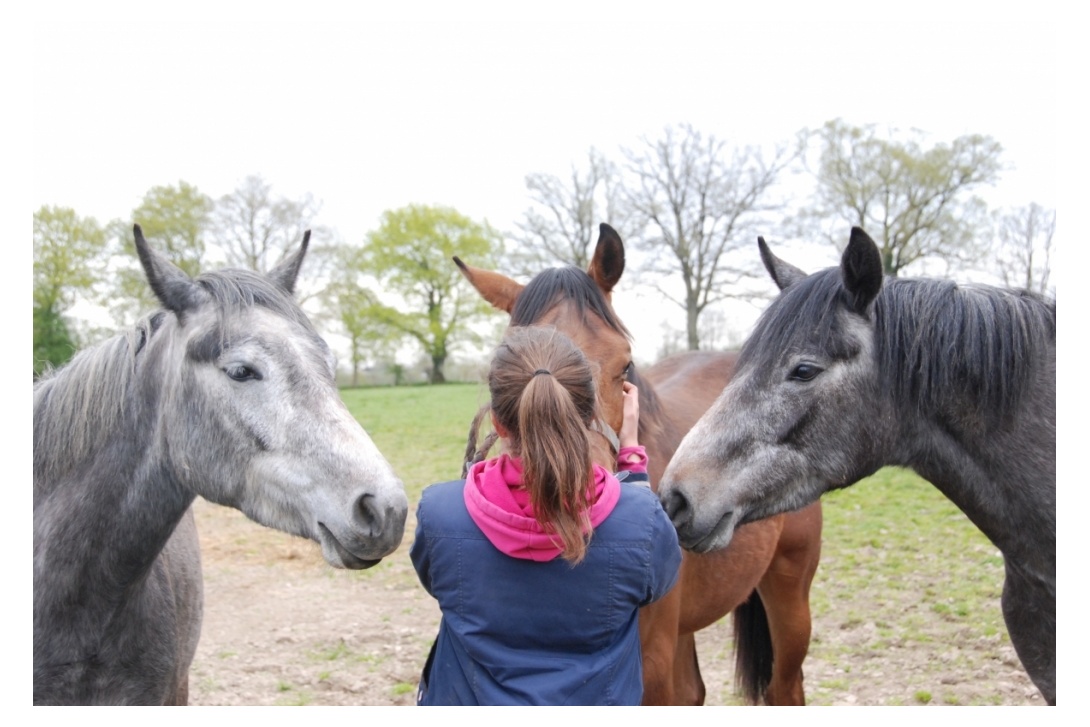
[{"x": 630, "y": 424}]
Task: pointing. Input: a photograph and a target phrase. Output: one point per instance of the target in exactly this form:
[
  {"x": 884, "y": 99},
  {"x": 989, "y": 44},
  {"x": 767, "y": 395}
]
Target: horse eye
[
  {"x": 627, "y": 371},
  {"x": 242, "y": 373},
  {"x": 805, "y": 372}
]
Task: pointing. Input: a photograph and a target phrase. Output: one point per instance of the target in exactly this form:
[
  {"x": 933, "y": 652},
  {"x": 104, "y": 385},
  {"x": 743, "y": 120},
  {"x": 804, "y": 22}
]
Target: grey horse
[
  {"x": 843, "y": 375},
  {"x": 227, "y": 392}
]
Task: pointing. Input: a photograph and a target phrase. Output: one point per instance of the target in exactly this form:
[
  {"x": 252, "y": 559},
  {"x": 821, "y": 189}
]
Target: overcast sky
[{"x": 455, "y": 107}]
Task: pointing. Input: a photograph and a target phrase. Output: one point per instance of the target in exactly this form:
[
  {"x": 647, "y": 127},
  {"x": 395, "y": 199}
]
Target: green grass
[{"x": 421, "y": 430}]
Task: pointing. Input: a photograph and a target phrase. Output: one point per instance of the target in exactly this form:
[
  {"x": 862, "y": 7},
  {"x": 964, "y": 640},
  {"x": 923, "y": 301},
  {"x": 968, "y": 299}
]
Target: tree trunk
[
  {"x": 435, "y": 376},
  {"x": 691, "y": 316}
]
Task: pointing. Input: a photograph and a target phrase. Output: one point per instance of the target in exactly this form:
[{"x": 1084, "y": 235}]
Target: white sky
[{"x": 455, "y": 107}]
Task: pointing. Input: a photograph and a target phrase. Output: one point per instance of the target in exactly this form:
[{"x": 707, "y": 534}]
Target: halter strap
[{"x": 599, "y": 425}]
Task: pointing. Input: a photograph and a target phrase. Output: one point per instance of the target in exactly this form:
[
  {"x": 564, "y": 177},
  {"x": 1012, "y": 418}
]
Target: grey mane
[
  {"x": 937, "y": 342},
  {"x": 82, "y": 403}
]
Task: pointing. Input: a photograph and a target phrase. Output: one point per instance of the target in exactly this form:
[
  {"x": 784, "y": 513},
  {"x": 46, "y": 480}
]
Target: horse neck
[
  {"x": 102, "y": 518},
  {"x": 999, "y": 471}
]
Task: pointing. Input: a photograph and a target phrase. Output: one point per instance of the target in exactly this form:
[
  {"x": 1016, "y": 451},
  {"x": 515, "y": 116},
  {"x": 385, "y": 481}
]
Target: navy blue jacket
[{"x": 516, "y": 631}]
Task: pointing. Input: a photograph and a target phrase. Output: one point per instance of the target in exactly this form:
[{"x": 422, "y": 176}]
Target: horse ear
[
  {"x": 499, "y": 290},
  {"x": 861, "y": 269},
  {"x": 287, "y": 271},
  {"x": 174, "y": 289},
  {"x": 608, "y": 262},
  {"x": 783, "y": 274}
]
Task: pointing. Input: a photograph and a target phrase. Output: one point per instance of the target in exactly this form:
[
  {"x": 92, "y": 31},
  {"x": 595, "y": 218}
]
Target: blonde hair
[{"x": 543, "y": 394}]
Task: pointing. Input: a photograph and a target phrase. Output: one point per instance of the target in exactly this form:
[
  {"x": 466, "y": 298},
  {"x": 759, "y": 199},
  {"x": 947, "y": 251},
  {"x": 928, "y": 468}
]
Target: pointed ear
[
  {"x": 783, "y": 274},
  {"x": 861, "y": 269},
  {"x": 608, "y": 262},
  {"x": 499, "y": 290},
  {"x": 287, "y": 271},
  {"x": 174, "y": 289}
]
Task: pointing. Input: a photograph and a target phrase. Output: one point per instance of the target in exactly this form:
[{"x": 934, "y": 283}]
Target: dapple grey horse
[
  {"x": 843, "y": 375},
  {"x": 227, "y": 392}
]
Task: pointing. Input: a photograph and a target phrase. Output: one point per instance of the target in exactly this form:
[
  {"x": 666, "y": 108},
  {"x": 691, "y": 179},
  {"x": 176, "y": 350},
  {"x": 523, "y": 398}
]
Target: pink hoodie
[{"x": 501, "y": 508}]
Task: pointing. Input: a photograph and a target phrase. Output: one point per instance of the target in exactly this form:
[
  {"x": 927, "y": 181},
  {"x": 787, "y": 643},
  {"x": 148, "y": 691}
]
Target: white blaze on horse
[{"x": 227, "y": 392}]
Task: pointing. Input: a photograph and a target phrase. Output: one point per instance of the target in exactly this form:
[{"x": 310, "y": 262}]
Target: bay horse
[
  {"x": 765, "y": 576},
  {"x": 227, "y": 392},
  {"x": 843, "y": 375}
]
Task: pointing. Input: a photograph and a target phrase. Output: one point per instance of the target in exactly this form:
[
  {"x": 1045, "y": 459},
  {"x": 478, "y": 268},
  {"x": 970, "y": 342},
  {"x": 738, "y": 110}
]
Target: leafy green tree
[
  {"x": 69, "y": 253},
  {"x": 176, "y": 221},
  {"x": 410, "y": 256},
  {"x": 53, "y": 343},
  {"x": 698, "y": 205},
  {"x": 916, "y": 201},
  {"x": 357, "y": 311}
]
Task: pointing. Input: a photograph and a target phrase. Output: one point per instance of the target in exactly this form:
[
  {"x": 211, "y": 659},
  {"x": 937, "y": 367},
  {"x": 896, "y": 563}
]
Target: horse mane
[
  {"x": 78, "y": 406},
  {"x": 567, "y": 283},
  {"x": 935, "y": 340},
  {"x": 938, "y": 340}
]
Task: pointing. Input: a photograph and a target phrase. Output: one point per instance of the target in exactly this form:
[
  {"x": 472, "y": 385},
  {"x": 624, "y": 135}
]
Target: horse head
[
  {"x": 251, "y": 416},
  {"x": 806, "y": 370},
  {"x": 578, "y": 304}
]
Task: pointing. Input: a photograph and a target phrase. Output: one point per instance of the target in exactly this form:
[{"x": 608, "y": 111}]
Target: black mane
[
  {"x": 935, "y": 340},
  {"x": 568, "y": 283}
]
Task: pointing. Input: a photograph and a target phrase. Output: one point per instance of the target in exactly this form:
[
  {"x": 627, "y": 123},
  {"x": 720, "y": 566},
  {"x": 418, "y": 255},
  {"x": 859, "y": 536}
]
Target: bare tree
[
  {"x": 1024, "y": 255},
  {"x": 561, "y": 225},
  {"x": 695, "y": 203},
  {"x": 256, "y": 229}
]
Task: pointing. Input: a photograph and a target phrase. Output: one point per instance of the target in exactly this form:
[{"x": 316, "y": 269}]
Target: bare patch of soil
[{"x": 283, "y": 628}]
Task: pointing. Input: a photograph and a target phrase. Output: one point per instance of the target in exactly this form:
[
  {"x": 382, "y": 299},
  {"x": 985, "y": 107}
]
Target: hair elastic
[{"x": 542, "y": 371}]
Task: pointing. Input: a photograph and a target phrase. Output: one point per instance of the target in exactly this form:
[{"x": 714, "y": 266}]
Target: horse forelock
[
  {"x": 807, "y": 316},
  {"x": 235, "y": 289},
  {"x": 940, "y": 343},
  {"x": 550, "y": 287}
]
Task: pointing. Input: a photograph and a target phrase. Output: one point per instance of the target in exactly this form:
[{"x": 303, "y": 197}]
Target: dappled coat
[{"x": 520, "y": 624}]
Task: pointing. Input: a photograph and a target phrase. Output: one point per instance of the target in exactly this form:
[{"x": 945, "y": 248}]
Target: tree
[
  {"x": 176, "y": 221},
  {"x": 69, "y": 253},
  {"x": 357, "y": 311},
  {"x": 256, "y": 229},
  {"x": 561, "y": 225},
  {"x": 695, "y": 203},
  {"x": 1024, "y": 254},
  {"x": 410, "y": 255},
  {"x": 53, "y": 342},
  {"x": 915, "y": 202}
]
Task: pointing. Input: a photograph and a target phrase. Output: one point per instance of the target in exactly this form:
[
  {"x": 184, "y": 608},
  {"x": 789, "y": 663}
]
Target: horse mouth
[
  {"x": 344, "y": 557},
  {"x": 717, "y": 538}
]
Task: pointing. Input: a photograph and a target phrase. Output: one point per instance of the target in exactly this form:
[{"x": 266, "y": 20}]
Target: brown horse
[{"x": 764, "y": 575}]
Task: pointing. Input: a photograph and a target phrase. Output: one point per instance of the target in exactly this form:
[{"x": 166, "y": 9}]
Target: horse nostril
[
  {"x": 367, "y": 516},
  {"x": 677, "y": 508}
]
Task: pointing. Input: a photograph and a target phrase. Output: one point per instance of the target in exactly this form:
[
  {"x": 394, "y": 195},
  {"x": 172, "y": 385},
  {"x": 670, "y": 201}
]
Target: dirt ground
[{"x": 283, "y": 628}]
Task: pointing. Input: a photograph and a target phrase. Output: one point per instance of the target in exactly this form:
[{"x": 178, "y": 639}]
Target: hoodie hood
[{"x": 502, "y": 510}]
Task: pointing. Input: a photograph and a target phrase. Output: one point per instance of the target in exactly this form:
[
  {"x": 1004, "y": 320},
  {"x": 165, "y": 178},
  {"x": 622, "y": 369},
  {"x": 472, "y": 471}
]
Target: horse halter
[{"x": 601, "y": 426}]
